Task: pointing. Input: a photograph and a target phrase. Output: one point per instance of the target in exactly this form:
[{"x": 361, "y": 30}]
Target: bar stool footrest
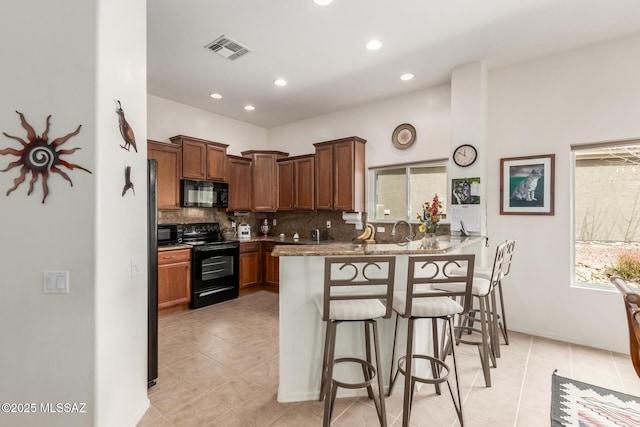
[
  {"x": 367, "y": 368},
  {"x": 433, "y": 380}
]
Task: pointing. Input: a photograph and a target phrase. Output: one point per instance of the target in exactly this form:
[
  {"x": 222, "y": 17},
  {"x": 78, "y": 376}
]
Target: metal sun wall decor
[{"x": 39, "y": 157}]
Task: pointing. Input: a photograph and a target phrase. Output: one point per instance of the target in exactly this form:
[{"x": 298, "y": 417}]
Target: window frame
[
  {"x": 371, "y": 204},
  {"x": 606, "y": 287}
]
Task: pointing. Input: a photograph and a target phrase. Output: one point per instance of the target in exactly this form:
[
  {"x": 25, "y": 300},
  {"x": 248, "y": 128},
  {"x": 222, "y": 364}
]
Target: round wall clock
[
  {"x": 465, "y": 155},
  {"x": 403, "y": 136}
]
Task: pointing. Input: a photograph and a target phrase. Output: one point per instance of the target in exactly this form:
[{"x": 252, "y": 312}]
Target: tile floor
[{"x": 219, "y": 367}]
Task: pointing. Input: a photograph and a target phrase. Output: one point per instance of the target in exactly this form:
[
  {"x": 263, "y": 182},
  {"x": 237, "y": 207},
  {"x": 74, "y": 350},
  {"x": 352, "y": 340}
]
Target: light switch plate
[
  {"x": 328, "y": 224},
  {"x": 55, "y": 282}
]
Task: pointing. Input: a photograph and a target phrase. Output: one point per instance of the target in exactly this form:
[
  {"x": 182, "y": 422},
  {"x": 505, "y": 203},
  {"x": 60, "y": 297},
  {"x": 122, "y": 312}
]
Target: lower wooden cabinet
[
  {"x": 258, "y": 267},
  {"x": 174, "y": 279},
  {"x": 271, "y": 267},
  {"x": 250, "y": 266}
]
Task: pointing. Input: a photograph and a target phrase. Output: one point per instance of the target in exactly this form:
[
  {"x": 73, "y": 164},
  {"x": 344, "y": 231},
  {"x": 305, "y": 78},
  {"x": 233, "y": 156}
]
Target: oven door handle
[
  {"x": 215, "y": 291},
  {"x": 213, "y": 248}
]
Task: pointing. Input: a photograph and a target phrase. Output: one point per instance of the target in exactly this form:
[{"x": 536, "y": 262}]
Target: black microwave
[
  {"x": 169, "y": 234},
  {"x": 204, "y": 194}
]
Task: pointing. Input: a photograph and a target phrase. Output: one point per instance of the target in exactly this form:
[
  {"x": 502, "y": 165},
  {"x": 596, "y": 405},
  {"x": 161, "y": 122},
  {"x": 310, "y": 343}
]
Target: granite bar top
[{"x": 445, "y": 244}]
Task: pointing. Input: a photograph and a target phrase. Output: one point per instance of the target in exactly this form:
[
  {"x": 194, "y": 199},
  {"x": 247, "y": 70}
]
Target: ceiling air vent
[{"x": 227, "y": 48}]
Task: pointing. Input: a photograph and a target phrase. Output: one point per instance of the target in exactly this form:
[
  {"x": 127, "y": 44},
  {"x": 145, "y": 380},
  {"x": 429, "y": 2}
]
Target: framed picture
[{"x": 526, "y": 185}]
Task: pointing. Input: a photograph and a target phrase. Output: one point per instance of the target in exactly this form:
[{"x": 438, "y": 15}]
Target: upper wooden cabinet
[
  {"x": 202, "y": 159},
  {"x": 340, "y": 174},
  {"x": 285, "y": 185},
  {"x": 264, "y": 179},
  {"x": 296, "y": 183},
  {"x": 169, "y": 158},
  {"x": 239, "y": 183}
]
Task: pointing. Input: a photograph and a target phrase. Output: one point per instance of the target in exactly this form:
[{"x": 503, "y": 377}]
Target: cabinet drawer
[
  {"x": 249, "y": 247},
  {"x": 171, "y": 257}
]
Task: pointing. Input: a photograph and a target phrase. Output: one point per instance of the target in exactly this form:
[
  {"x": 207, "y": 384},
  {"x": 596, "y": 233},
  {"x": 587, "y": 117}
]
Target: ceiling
[{"x": 320, "y": 50}]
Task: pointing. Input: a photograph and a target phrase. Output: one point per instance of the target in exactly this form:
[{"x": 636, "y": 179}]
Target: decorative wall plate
[{"x": 403, "y": 136}]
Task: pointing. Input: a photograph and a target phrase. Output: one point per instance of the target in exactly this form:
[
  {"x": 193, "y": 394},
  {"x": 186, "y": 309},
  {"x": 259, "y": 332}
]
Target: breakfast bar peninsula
[{"x": 301, "y": 326}]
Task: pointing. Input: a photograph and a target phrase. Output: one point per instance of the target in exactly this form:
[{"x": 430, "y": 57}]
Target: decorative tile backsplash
[{"x": 288, "y": 223}]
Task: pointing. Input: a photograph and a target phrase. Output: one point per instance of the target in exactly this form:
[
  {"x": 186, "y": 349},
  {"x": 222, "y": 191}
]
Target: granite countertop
[
  {"x": 173, "y": 247},
  {"x": 288, "y": 240},
  {"x": 445, "y": 244}
]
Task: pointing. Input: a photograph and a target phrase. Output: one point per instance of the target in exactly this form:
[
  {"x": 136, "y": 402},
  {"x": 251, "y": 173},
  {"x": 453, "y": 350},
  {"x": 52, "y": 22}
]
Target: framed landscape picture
[{"x": 526, "y": 185}]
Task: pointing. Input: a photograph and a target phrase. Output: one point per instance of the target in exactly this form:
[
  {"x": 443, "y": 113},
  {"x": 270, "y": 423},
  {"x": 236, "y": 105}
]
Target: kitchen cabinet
[
  {"x": 340, "y": 174},
  {"x": 250, "y": 266},
  {"x": 240, "y": 187},
  {"x": 296, "y": 183},
  {"x": 169, "y": 158},
  {"x": 270, "y": 267},
  {"x": 264, "y": 179},
  {"x": 174, "y": 279},
  {"x": 285, "y": 185},
  {"x": 304, "y": 183},
  {"x": 202, "y": 159}
]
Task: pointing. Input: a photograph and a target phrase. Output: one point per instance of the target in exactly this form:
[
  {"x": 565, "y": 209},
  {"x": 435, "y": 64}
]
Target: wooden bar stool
[
  {"x": 422, "y": 300},
  {"x": 356, "y": 289}
]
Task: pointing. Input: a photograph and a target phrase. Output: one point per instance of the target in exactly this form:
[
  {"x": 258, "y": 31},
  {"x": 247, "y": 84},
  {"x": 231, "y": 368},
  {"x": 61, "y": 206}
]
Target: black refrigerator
[{"x": 152, "y": 274}]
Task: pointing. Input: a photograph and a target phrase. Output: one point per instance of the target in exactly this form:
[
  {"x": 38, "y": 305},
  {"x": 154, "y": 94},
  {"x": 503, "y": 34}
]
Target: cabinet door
[
  {"x": 285, "y": 185},
  {"x": 194, "y": 159},
  {"x": 216, "y": 163},
  {"x": 174, "y": 278},
  {"x": 249, "y": 269},
  {"x": 264, "y": 178},
  {"x": 324, "y": 177},
  {"x": 169, "y": 158},
  {"x": 304, "y": 184},
  {"x": 343, "y": 155},
  {"x": 271, "y": 267},
  {"x": 240, "y": 186}
]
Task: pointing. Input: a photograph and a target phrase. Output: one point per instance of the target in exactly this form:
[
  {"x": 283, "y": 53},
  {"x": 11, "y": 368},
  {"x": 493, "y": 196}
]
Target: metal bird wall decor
[
  {"x": 128, "y": 185},
  {"x": 125, "y": 130}
]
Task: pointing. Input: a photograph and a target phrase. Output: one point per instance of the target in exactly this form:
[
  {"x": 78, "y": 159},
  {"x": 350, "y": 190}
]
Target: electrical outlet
[
  {"x": 380, "y": 229},
  {"x": 328, "y": 224},
  {"x": 275, "y": 222}
]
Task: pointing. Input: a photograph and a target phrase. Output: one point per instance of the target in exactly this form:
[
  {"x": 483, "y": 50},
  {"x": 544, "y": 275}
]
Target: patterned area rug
[{"x": 574, "y": 403}]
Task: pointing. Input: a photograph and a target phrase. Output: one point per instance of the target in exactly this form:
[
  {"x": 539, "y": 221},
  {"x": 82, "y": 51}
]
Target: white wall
[
  {"x": 169, "y": 118},
  {"x": 121, "y": 221},
  {"x": 88, "y": 346},
  {"x": 541, "y": 107},
  {"x": 427, "y": 110}
]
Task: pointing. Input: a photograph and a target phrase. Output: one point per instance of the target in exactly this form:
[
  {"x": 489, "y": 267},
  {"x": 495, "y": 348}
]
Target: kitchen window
[
  {"x": 606, "y": 210},
  {"x": 399, "y": 191}
]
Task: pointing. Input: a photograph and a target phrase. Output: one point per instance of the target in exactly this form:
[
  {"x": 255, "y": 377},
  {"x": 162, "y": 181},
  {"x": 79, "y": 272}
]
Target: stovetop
[{"x": 201, "y": 233}]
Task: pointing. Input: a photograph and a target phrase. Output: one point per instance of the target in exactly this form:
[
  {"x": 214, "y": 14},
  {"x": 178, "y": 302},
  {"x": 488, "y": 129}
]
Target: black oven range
[{"x": 215, "y": 264}]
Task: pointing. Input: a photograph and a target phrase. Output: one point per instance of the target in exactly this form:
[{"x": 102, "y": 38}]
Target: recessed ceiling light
[
  {"x": 249, "y": 107},
  {"x": 322, "y": 2},
  {"x": 373, "y": 45},
  {"x": 280, "y": 82},
  {"x": 216, "y": 96},
  {"x": 406, "y": 76}
]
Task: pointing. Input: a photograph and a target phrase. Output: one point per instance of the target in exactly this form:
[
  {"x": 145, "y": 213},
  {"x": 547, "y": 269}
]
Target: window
[
  {"x": 399, "y": 191},
  {"x": 606, "y": 209}
]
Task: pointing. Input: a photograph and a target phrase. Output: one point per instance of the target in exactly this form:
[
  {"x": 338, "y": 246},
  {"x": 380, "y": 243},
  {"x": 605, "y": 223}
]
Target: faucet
[{"x": 393, "y": 229}]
